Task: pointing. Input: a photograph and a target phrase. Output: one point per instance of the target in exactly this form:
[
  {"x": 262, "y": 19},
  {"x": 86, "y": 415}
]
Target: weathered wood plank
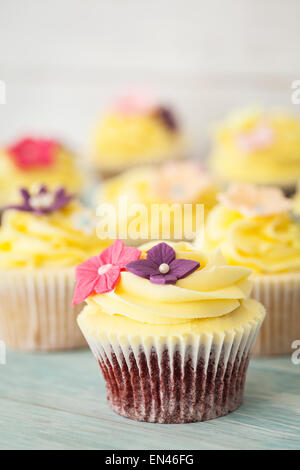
[{"x": 57, "y": 401}]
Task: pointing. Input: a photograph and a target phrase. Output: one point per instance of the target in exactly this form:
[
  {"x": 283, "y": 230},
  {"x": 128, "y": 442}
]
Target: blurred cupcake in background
[
  {"x": 172, "y": 329},
  {"x": 296, "y": 203},
  {"x": 172, "y": 184},
  {"x": 254, "y": 228},
  {"x": 34, "y": 160},
  {"x": 42, "y": 239},
  {"x": 258, "y": 147},
  {"x": 135, "y": 130}
]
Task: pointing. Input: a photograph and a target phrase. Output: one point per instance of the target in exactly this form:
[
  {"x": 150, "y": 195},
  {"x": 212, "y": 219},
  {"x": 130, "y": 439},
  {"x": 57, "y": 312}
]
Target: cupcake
[
  {"x": 258, "y": 147},
  {"x": 30, "y": 161},
  {"x": 179, "y": 186},
  {"x": 296, "y": 203},
  {"x": 135, "y": 130},
  {"x": 254, "y": 228},
  {"x": 171, "y": 328},
  {"x": 42, "y": 239}
]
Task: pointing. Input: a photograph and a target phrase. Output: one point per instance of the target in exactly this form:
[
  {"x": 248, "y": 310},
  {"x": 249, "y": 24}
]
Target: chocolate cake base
[{"x": 167, "y": 388}]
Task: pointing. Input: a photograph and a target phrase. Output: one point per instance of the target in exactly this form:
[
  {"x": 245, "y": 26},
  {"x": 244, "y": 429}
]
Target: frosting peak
[
  {"x": 50, "y": 240},
  {"x": 269, "y": 244}
]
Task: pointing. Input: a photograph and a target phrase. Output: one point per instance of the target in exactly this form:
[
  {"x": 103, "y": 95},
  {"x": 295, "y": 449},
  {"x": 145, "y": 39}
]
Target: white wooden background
[{"x": 63, "y": 59}]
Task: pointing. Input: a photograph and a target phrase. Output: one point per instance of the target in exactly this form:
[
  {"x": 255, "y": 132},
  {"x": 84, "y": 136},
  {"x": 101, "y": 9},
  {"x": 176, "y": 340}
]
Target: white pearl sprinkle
[
  {"x": 164, "y": 268},
  {"x": 103, "y": 269},
  {"x": 41, "y": 201}
]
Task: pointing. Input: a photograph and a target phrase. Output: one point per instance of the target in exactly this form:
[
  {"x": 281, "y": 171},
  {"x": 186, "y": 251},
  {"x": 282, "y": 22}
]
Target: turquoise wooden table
[{"x": 57, "y": 401}]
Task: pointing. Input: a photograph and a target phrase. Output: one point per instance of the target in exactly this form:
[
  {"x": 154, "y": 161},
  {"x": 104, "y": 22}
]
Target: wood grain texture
[{"x": 57, "y": 401}]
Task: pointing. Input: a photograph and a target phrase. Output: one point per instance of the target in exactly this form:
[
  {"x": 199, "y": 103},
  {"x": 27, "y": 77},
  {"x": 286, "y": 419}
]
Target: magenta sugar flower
[
  {"x": 32, "y": 153},
  {"x": 161, "y": 267},
  {"x": 100, "y": 274}
]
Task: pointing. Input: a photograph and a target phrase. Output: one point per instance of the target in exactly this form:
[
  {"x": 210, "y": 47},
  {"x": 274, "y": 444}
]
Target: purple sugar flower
[
  {"x": 161, "y": 267},
  {"x": 43, "y": 201},
  {"x": 167, "y": 117}
]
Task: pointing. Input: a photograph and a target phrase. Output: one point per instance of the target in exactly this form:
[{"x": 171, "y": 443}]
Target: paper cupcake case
[
  {"x": 36, "y": 310},
  {"x": 280, "y": 294},
  {"x": 191, "y": 379}
]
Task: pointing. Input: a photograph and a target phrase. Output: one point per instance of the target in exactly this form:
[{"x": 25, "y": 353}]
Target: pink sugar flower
[
  {"x": 137, "y": 102},
  {"x": 101, "y": 273},
  {"x": 32, "y": 153},
  {"x": 260, "y": 137}
]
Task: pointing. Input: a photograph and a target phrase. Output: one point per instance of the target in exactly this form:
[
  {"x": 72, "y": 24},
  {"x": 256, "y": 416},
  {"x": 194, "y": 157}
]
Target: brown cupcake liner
[
  {"x": 179, "y": 380},
  {"x": 280, "y": 294},
  {"x": 36, "y": 312}
]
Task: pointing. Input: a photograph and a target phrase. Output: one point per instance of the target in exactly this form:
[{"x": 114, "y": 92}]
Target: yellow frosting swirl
[
  {"x": 276, "y": 163},
  {"x": 138, "y": 186},
  {"x": 268, "y": 244},
  {"x": 62, "y": 172},
  {"x": 213, "y": 297},
  {"x": 121, "y": 140},
  {"x": 45, "y": 241}
]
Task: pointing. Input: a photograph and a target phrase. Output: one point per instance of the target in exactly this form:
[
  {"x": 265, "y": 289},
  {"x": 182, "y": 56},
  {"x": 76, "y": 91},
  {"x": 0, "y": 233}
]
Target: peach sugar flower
[
  {"x": 181, "y": 182},
  {"x": 255, "y": 201}
]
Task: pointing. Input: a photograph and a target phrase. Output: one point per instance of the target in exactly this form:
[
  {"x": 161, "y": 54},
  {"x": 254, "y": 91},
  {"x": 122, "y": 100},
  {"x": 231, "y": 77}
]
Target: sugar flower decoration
[
  {"x": 167, "y": 117},
  {"x": 100, "y": 274},
  {"x": 260, "y": 137},
  {"x": 141, "y": 102},
  {"x": 85, "y": 221},
  {"x": 161, "y": 267},
  {"x": 180, "y": 182},
  {"x": 255, "y": 201},
  {"x": 30, "y": 153},
  {"x": 135, "y": 103},
  {"x": 43, "y": 201}
]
